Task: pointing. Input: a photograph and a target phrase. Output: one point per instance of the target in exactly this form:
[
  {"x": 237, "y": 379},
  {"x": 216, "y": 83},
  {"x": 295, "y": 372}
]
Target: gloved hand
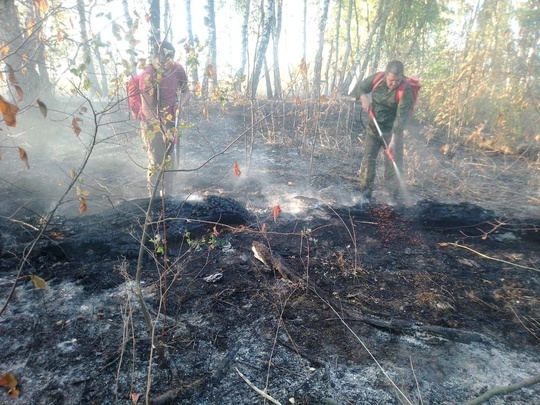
[{"x": 366, "y": 102}]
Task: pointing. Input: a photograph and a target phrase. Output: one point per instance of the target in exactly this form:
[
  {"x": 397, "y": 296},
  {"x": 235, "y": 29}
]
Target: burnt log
[{"x": 117, "y": 231}]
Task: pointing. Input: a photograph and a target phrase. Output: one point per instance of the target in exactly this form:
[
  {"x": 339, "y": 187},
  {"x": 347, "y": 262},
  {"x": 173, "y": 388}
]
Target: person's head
[
  {"x": 163, "y": 52},
  {"x": 394, "y": 74}
]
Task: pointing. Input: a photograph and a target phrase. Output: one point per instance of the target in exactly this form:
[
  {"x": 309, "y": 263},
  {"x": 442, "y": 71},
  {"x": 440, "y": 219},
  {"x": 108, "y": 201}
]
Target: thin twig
[
  {"x": 492, "y": 258},
  {"x": 503, "y": 390},
  {"x": 257, "y": 390}
]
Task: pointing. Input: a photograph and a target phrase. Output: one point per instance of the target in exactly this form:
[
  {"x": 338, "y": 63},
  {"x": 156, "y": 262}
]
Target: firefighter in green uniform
[{"x": 391, "y": 115}]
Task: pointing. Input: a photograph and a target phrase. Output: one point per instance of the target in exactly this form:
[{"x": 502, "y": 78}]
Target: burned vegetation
[{"x": 266, "y": 279}]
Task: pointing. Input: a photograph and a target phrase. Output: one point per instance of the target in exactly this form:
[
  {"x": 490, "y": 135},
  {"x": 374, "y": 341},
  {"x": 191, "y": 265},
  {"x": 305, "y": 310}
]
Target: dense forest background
[{"x": 478, "y": 60}]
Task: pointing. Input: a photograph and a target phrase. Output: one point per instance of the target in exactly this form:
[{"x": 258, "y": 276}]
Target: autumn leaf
[
  {"x": 82, "y": 205},
  {"x": 42, "y": 6},
  {"x": 276, "y": 210},
  {"x": 4, "y": 49},
  {"x": 24, "y": 157},
  {"x": 42, "y": 107},
  {"x": 75, "y": 126},
  {"x": 72, "y": 173},
  {"x": 19, "y": 91},
  {"x": 205, "y": 113},
  {"x": 9, "y": 381},
  {"x": 215, "y": 232},
  {"x": 237, "y": 170},
  {"x": 9, "y": 111},
  {"x": 443, "y": 244},
  {"x": 83, "y": 110},
  {"x": 135, "y": 398},
  {"x": 39, "y": 283}
]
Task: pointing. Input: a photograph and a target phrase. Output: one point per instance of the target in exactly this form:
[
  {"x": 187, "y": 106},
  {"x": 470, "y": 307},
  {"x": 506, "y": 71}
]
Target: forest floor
[{"x": 432, "y": 302}]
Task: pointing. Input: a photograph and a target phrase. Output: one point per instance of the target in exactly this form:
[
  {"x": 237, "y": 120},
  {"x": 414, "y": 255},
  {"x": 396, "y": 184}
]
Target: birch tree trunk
[
  {"x": 317, "y": 70},
  {"x": 211, "y": 57},
  {"x": 88, "y": 60},
  {"x": 240, "y": 73},
  {"x": 130, "y": 35},
  {"x": 154, "y": 37},
  {"x": 348, "y": 45},
  {"x": 336, "y": 73},
  {"x": 262, "y": 46},
  {"x": 192, "y": 59},
  {"x": 275, "y": 44},
  {"x": 366, "y": 55}
]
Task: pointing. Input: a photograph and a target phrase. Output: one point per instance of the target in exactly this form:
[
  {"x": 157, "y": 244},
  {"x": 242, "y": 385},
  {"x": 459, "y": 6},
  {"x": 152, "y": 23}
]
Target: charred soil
[{"x": 279, "y": 275}]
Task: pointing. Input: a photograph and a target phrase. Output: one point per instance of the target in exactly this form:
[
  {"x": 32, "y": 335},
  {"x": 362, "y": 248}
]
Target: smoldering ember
[{"x": 265, "y": 278}]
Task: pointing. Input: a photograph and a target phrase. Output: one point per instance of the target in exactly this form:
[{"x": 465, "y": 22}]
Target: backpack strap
[
  {"x": 377, "y": 80},
  {"x": 401, "y": 89}
]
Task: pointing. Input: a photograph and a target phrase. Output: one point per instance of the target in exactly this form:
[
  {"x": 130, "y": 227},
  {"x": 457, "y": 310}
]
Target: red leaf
[
  {"x": 237, "y": 170},
  {"x": 24, "y": 157},
  {"x": 9, "y": 381},
  {"x": 82, "y": 205},
  {"x": 75, "y": 126},
  {"x": 276, "y": 210}
]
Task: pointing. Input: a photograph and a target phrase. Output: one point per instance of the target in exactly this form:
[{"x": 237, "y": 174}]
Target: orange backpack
[{"x": 414, "y": 82}]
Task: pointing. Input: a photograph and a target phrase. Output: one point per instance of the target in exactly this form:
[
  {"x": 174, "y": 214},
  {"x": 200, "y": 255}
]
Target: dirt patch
[{"x": 435, "y": 301}]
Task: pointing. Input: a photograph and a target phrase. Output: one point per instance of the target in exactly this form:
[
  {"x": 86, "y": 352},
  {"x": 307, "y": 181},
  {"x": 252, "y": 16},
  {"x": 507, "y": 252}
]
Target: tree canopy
[{"x": 478, "y": 60}]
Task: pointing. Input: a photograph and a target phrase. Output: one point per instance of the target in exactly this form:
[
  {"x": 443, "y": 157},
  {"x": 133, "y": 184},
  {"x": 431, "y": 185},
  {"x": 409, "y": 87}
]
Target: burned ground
[{"x": 436, "y": 300}]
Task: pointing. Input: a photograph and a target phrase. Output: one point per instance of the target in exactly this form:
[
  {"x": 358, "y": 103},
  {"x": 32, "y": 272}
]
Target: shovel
[{"x": 386, "y": 149}]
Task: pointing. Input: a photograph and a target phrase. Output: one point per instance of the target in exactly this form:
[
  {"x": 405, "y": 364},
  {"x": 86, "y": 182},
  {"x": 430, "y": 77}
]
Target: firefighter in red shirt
[{"x": 164, "y": 92}]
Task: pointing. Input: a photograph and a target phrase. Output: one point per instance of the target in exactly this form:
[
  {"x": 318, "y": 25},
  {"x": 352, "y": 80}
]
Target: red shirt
[{"x": 173, "y": 78}]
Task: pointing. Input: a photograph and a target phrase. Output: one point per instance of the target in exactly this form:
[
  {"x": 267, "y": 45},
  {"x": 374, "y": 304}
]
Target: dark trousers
[{"x": 373, "y": 143}]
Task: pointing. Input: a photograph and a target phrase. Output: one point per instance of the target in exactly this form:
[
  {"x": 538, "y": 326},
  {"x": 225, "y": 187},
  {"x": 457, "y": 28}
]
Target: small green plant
[
  {"x": 157, "y": 241},
  {"x": 213, "y": 241}
]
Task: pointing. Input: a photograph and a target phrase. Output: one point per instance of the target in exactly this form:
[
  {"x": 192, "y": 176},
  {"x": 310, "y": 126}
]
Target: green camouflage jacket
[{"x": 391, "y": 115}]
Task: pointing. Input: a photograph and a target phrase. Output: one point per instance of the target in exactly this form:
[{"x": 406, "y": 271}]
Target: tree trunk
[
  {"x": 130, "y": 36},
  {"x": 192, "y": 61},
  {"x": 262, "y": 46},
  {"x": 211, "y": 45},
  {"x": 348, "y": 46},
  {"x": 336, "y": 73},
  {"x": 365, "y": 56},
  {"x": 167, "y": 22},
  {"x": 240, "y": 73},
  {"x": 304, "y": 32},
  {"x": 88, "y": 60},
  {"x": 317, "y": 70},
  {"x": 268, "y": 80},
  {"x": 36, "y": 40},
  {"x": 275, "y": 43},
  {"x": 21, "y": 57},
  {"x": 154, "y": 36}
]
